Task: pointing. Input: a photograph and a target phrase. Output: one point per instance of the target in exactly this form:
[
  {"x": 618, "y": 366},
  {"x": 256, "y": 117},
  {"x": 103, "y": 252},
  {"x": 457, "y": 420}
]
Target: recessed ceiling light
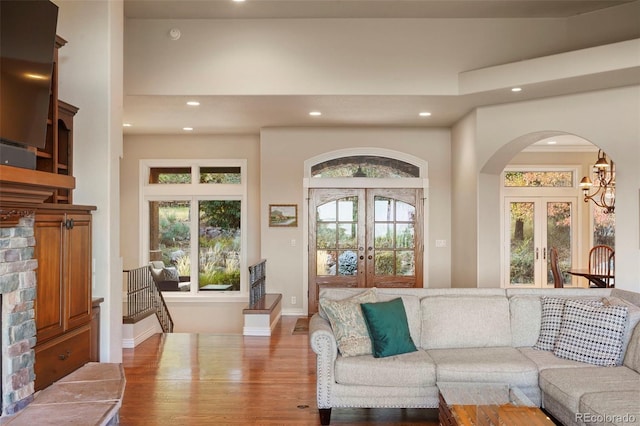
[
  {"x": 193, "y": 103},
  {"x": 425, "y": 114},
  {"x": 238, "y": 1},
  {"x": 187, "y": 129},
  {"x": 551, "y": 142},
  {"x": 127, "y": 124},
  {"x": 516, "y": 89},
  {"x": 315, "y": 113}
]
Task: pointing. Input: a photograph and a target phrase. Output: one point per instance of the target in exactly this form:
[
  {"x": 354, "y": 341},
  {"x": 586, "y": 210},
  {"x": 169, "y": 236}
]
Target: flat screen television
[{"x": 27, "y": 43}]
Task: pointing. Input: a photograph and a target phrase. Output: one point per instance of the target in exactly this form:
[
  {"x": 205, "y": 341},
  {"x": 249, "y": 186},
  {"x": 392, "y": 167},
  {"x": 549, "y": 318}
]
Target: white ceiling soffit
[{"x": 297, "y": 9}]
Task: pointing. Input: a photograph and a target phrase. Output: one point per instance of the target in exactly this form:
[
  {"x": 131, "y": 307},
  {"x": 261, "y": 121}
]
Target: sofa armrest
[{"x": 324, "y": 344}]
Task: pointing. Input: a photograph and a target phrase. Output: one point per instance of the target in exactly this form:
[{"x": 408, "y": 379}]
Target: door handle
[
  {"x": 544, "y": 253},
  {"x": 537, "y": 253}
]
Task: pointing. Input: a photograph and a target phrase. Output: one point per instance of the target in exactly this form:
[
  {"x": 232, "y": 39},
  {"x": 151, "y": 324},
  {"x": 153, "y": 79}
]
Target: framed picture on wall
[{"x": 283, "y": 215}]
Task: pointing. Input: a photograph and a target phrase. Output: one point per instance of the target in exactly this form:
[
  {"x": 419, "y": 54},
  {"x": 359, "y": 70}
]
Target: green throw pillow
[{"x": 388, "y": 328}]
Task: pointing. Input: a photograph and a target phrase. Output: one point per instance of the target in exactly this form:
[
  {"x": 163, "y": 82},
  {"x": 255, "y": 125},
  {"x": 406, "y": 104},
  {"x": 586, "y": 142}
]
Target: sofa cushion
[
  {"x": 388, "y": 328},
  {"x": 592, "y": 334},
  {"x": 413, "y": 369},
  {"x": 525, "y": 312},
  {"x": 567, "y": 385},
  {"x": 500, "y": 365},
  {"x": 347, "y": 322},
  {"x": 610, "y": 408},
  {"x": 546, "y": 359},
  {"x": 465, "y": 322}
]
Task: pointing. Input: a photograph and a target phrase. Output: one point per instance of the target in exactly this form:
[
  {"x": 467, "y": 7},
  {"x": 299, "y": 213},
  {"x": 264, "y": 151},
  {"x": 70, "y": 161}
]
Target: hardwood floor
[{"x": 205, "y": 379}]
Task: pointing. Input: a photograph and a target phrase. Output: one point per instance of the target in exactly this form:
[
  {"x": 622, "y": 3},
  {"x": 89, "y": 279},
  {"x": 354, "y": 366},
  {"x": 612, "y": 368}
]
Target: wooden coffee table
[{"x": 487, "y": 404}]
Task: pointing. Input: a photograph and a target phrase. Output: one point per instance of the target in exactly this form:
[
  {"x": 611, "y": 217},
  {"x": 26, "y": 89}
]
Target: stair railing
[{"x": 145, "y": 298}]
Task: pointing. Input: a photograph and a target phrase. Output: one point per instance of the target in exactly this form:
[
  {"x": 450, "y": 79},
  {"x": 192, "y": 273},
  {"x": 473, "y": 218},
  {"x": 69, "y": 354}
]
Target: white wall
[
  {"x": 464, "y": 203},
  {"x": 90, "y": 77},
  {"x": 283, "y": 152}
]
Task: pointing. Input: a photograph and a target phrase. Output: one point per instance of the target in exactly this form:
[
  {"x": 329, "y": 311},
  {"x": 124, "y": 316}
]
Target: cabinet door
[
  {"x": 77, "y": 270},
  {"x": 49, "y": 235}
]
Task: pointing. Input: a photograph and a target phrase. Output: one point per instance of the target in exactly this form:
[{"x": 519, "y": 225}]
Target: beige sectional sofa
[{"x": 481, "y": 336}]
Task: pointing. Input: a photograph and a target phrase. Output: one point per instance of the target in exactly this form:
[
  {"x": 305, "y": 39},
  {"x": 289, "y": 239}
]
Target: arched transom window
[{"x": 369, "y": 166}]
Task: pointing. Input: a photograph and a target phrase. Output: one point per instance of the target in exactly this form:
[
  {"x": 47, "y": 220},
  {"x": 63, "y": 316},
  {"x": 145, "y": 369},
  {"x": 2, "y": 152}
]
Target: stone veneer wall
[{"x": 18, "y": 290}]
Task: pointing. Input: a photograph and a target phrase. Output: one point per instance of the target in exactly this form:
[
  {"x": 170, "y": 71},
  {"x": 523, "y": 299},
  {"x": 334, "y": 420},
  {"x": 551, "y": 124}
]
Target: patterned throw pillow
[
  {"x": 347, "y": 322},
  {"x": 552, "y": 312},
  {"x": 591, "y": 334},
  {"x": 171, "y": 274}
]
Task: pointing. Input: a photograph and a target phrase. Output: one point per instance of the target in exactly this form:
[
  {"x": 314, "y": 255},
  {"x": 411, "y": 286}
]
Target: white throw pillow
[{"x": 347, "y": 322}]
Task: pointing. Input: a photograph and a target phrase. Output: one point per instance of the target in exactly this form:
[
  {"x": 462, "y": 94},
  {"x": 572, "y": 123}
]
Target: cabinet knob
[
  {"x": 62, "y": 357},
  {"x": 68, "y": 223}
]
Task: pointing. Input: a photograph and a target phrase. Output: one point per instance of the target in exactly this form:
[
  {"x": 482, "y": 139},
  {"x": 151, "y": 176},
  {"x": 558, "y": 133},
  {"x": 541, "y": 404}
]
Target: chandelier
[{"x": 604, "y": 174}]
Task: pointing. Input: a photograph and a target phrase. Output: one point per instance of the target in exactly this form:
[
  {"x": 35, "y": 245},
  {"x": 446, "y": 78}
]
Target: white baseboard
[{"x": 134, "y": 334}]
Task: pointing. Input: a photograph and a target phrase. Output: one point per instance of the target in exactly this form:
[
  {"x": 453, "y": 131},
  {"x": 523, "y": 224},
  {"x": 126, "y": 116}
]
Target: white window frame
[{"x": 195, "y": 192}]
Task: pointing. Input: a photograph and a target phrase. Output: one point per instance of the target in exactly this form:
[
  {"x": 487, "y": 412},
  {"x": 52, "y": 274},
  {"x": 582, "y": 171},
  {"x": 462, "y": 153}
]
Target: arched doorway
[{"x": 546, "y": 208}]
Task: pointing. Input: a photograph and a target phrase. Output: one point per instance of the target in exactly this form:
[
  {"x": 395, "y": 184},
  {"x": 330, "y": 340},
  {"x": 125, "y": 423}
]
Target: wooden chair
[
  {"x": 601, "y": 262},
  {"x": 558, "y": 281}
]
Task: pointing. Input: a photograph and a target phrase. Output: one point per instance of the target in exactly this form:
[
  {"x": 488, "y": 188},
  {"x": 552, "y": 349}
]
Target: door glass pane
[
  {"x": 348, "y": 209},
  {"x": 405, "y": 212},
  {"x": 326, "y": 262},
  {"x": 383, "y": 235},
  {"x": 347, "y": 263},
  {"x": 347, "y": 235},
  {"x": 170, "y": 237},
  {"x": 404, "y": 235},
  {"x": 383, "y": 209},
  {"x": 405, "y": 263},
  {"x": 219, "y": 245},
  {"x": 326, "y": 212},
  {"x": 384, "y": 262},
  {"x": 521, "y": 233},
  {"x": 326, "y": 235},
  {"x": 559, "y": 222}
]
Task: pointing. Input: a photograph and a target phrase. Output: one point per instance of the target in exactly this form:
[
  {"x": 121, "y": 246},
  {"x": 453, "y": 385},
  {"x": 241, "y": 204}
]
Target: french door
[
  {"x": 364, "y": 238},
  {"x": 533, "y": 226}
]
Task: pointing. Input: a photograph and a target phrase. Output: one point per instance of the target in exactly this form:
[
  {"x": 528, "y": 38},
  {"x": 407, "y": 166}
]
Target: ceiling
[
  {"x": 270, "y": 9},
  {"x": 248, "y": 114}
]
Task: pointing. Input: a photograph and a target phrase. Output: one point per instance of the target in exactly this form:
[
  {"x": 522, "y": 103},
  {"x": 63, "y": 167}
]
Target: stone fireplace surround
[{"x": 18, "y": 292}]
